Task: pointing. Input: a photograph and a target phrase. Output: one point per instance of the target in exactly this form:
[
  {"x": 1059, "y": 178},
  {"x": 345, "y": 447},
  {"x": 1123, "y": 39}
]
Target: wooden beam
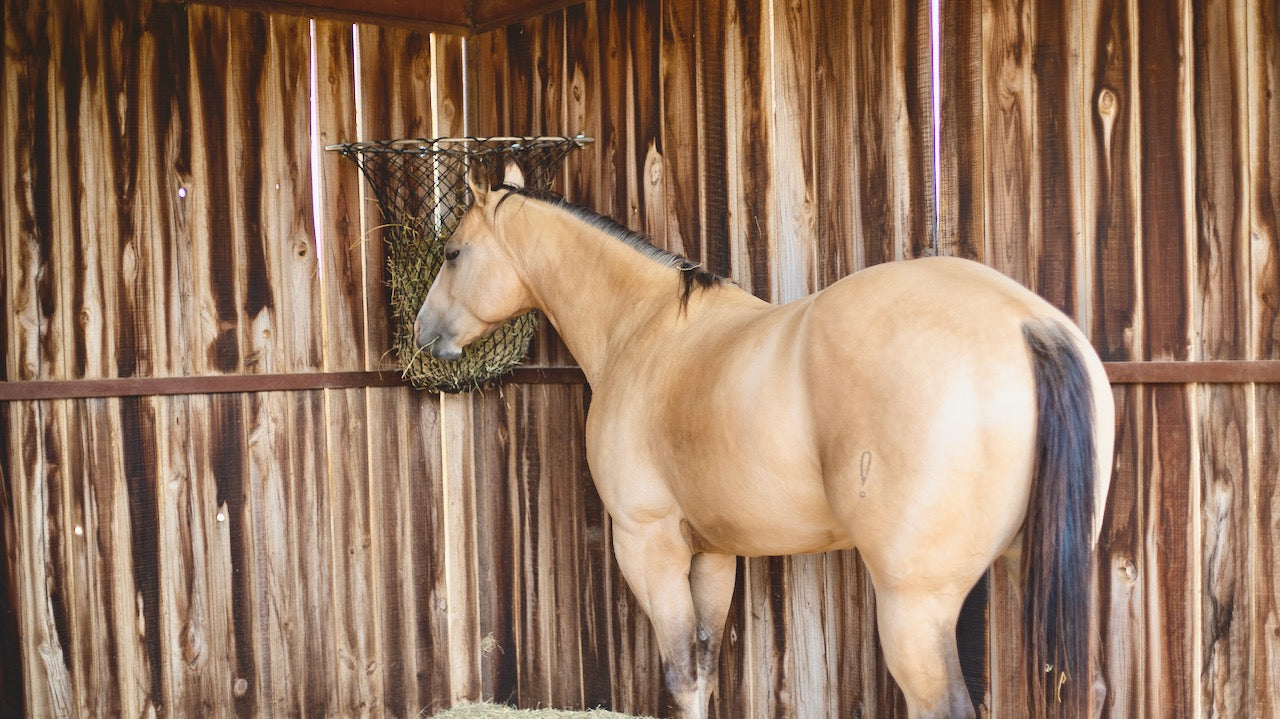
[
  {"x": 492, "y": 14},
  {"x": 1213, "y": 372},
  {"x": 458, "y": 17},
  {"x": 220, "y": 384},
  {"x": 1209, "y": 372}
]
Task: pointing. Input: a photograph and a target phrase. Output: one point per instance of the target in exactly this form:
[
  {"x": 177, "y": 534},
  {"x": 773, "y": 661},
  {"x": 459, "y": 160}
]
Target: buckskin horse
[{"x": 931, "y": 413}]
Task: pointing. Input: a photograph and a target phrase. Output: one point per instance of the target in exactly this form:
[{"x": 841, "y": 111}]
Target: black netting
[{"x": 421, "y": 189}]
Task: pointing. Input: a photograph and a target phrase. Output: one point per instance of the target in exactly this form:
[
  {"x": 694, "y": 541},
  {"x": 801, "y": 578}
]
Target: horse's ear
[
  {"x": 478, "y": 182},
  {"x": 512, "y": 176}
]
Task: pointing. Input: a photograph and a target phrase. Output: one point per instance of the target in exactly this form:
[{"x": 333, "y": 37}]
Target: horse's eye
[{"x": 451, "y": 255}]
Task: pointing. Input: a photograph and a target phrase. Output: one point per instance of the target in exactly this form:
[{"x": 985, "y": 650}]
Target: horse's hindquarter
[{"x": 925, "y": 409}]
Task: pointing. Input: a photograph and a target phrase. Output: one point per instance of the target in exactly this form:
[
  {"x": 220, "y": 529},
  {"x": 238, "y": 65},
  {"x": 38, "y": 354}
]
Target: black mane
[{"x": 691, "y": 273}]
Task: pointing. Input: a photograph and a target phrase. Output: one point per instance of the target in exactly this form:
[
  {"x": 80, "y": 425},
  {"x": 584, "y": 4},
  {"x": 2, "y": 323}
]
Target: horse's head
[{"x": 478, "y": 287}]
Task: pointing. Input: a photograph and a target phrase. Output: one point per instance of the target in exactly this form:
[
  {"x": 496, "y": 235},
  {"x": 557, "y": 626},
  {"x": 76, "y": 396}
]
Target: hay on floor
[{"x": 498, "y": 711}]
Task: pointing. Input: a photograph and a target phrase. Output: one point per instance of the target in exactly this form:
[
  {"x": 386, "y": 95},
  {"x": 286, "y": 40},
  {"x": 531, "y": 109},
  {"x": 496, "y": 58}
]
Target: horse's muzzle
[
  {"x": 439, "y": 351},
  {"x": 435, "y": 342}
]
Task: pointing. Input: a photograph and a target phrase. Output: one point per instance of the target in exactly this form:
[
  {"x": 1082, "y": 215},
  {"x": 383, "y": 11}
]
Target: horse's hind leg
[{"x": 917, "y": 631}]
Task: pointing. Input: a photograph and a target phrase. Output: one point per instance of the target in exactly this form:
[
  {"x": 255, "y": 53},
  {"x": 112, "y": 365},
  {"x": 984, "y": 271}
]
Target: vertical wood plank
[
  {"x": 228, "y": 459},
  {"x": 394, "y": 91},
  {"x": 458, "y": 433},
  {"x": 1265, "y": 540},
  {"x": 217, "y": 199},
  {"x": 1113, "y": 203},
  {"x": 25, "y": 219},
  {"x": 583, "y": 111},
  {"x": 208, "y": 200},
  {"x": 961, "y": 182},
  {"x": 56, "y": 201},
  {"x": 495, "y": 539},
  {"x": 642, "y": 49},
  {"x": 873, "y": 85},
  {"x": 1122, "y": 567},
  {"x": 406, "y": 489},
  {"x": 838, "y": 232},
  {"x": 1056, "y": 96},
  {"x": 417, "y": 494},
  {"x": 1219, "y": 310},
  {"x": 203, "y": 646},
  {"x": 462, "y": 591},
  {"x": 1174, "y": 645},
  {"x": 357, "y": 670},
  {"x": 281, "y": 332},
  {"x": 1011, "y": 164},
  {"x": 913, "y": 129},
  {"x": 713, "y": 140},
  {"x": 449, "y": 101},
  {"x": 615, "y": 131},
  {"x": 1263, "y": 113},
  {"x": 1220, "y": 107},
  {"x": 1263, "y": 23},
  {"x": 559, "y": 645},
  {"x": 57, "y": 162},
  {"x": 679, "y": 150},
  {"x": 309, "y": 536},
  {"x": 792, "y": 230},
  {"x": 132, "y": 490},
  {"x": 1172, "y": 635},
  {"x": 357, "y": 641},
  {"x": 534, "y": 76},
  {"x": 747, "y": 96},
  {"x": 1052, "y": 251},
  {"x": 1226, "y": 622},
  {"x": 487, "y": 66},
  {"x": 532, "y": 636},
  {"x": 1162, "y": 69},
  {"x": 342, "y": 261},
  {"x": 46, "y": 686},
  {"x": 12, "y": 670},
  {"x": 293, "y": 267},
  {"x": 1110, "y": 199}
]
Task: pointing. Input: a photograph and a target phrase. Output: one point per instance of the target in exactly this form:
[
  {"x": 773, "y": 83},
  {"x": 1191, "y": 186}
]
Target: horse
[{"x": 931, "y": 413}]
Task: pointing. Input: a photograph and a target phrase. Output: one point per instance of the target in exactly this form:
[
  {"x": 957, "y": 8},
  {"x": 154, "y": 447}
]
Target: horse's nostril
[{"x": 417, "y": 329}]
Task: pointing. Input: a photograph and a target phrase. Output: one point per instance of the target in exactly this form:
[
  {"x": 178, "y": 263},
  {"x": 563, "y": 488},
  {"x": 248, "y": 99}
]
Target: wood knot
[
  {"x": 1127, "y": 570},
  {"x": 1106, "y": 103}
]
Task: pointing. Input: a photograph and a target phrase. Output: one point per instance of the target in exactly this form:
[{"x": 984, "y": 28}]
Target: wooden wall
[{"x": 166, "y": 211}]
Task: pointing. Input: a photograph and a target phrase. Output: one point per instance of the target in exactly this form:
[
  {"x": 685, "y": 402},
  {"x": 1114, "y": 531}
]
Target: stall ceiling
[{"x": 465, "y": 17}]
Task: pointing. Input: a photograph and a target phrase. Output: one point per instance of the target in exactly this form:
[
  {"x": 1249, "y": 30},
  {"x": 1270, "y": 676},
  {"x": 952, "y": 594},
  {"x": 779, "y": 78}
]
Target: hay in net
[{"x": 422, "y": 193}]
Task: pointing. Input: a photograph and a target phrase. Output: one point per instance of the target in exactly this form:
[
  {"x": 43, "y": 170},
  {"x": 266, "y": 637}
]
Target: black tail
[{"x": 1056, "y": 559}]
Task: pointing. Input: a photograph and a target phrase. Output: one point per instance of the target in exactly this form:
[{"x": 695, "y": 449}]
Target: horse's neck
[{"x": 597, "y": 290}]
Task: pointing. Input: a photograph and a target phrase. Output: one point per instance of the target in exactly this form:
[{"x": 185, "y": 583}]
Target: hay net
[{"x": 421, "y": 190}]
